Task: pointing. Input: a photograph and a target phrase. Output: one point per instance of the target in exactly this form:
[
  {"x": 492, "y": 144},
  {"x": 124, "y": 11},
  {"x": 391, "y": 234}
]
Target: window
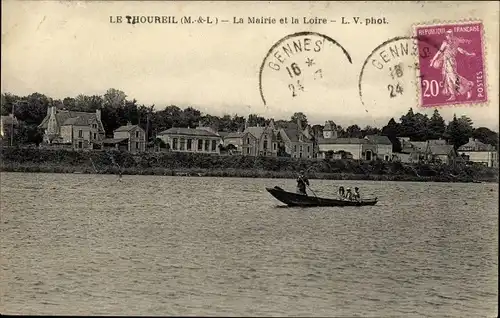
[
  {"x": 295, "y": 148},
  {"x": 207, "y": 145},
  {"x": 300, "y": 155},
  {"x": 136, "y": 145},
  {"x": 300, "y": 148},
  {"x": 94, "y": 125},
  {"x": 189, "y": 142},
  {"x": 182, "y": 144},
  {"x": 137, "y": 134},
  {"x": 95, "y": 136},
  {"x": 174, "y": 144},
  {"x": 214, "y": 145},
  {"x": 200, "y": 144},
  {"x": 248, "y": 150},
  {"x": 248, "y": 140},
  {"x": 274, "y": 146},
  {"x": 308, "y": 148},
  {"x": 80, "y": 134},
  {"x": 80, "y": 144},
  {"x": 265, "y": 144}
]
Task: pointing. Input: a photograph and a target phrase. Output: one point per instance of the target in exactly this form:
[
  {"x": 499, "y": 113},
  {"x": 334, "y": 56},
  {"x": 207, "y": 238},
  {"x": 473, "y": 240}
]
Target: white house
[{"x": 480, "y": 152}]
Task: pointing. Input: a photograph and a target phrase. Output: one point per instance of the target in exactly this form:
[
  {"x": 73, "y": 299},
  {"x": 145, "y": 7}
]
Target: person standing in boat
[{"x": 302, "y": 182}]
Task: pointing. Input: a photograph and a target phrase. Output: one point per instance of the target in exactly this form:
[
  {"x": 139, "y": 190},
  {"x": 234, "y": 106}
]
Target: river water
[{"x": 152, "y": 245}]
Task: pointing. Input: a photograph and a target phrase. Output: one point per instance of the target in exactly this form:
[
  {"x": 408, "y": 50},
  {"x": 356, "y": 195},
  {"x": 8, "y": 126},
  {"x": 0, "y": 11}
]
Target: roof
[
  {"x": 476, "y": 145},
  {"x": 234, "y": 135},
  {"x": 329, "y": 126},
  {"x": 380, "y": 140},
  {"x": 293, "y": 134},
  {"x": 127, "y": 128},
  {"x": 419, "y": 145},
  {"x": 341, "y": 141},
  {"x": 62, "y": 117},
  {"x": 440, "y": 149},
  {"x": 113, "y": 140},
  {"x": 259, "y": 131},
  {"x": 188, "y": 132},
  {"x": 224, "y": 133}
]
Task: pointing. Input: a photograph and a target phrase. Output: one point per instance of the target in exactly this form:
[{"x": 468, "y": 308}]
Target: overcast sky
[{"x": 67, "y": 48}]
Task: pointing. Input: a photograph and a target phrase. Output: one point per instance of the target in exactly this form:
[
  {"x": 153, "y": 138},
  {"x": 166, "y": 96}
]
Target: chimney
[
  {"x": 129, "y": 123},
  {"x": 471, "y": 139},
  {"x": 299, "y": 124},
  {"x": 98, "y": 114}
]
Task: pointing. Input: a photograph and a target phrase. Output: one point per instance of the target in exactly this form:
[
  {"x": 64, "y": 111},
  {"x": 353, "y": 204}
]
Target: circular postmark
[
  {"x": 390, "y": 77},
  {"x": 300, "y": 67}
]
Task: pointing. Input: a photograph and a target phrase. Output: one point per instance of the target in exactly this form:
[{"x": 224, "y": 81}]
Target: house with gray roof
[
  {"x": 128, "y": 137},
  {"x": 369, "y": 148},
  {"x": 200, "y": 139},
  {"x": 79, "y": 130},
  {"x": 297, "y": 141},
  {"x": 479, "y": 152}
]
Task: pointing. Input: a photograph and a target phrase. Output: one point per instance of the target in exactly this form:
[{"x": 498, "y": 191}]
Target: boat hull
[{"x": 300, "y": 200}]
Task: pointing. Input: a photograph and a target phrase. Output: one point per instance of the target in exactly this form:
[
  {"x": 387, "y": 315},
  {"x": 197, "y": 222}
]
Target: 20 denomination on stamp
[{"x": 455, "y": 73}]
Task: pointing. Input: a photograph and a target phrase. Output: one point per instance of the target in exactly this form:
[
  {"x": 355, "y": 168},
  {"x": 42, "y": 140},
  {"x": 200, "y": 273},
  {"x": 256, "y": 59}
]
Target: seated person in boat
[
  {"x": 348, "y": 194},
  {"x": 341, "y": 192},
  {"x": 356, "y": 195},
  {"x": 302, "y": 181}
]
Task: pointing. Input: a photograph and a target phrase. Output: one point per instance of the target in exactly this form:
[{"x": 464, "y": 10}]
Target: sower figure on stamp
[
  {"x": 302, "y": 181},
  {"x": 445, "y": 58}
]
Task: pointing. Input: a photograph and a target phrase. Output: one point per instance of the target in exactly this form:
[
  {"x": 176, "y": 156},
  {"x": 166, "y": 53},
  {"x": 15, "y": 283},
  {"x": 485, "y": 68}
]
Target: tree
[
  {"x": 486, "y": 136},
  {"x": 353, "y": 131},
  {"x": 459, "y": 130},
  {"x": 299, "y": 117},
  {"x": 254, "y": 120},
  {"x": 114, "y": 98},
  {"x": 393, "y": 130},
  {"x": 437, "y": 126},
  {"x": 28, "y": 134},
  {"x": 369, "y": 130}
]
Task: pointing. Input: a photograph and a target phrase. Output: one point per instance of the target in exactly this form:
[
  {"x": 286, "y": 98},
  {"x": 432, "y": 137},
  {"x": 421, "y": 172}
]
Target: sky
[{"x": 62, "y": 48}]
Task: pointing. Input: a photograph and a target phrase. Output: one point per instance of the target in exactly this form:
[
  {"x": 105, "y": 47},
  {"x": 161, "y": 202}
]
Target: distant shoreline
[
  {"x": 230, "y": 173},
  {"x": 35, "y": 160}
]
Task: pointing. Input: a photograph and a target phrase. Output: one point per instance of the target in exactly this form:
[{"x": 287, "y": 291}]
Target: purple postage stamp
[{"x": 454, "y": 73}]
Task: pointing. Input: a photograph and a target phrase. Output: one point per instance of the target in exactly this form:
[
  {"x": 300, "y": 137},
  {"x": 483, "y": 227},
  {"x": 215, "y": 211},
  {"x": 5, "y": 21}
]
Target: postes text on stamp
[{"x": 455, "y": 73}]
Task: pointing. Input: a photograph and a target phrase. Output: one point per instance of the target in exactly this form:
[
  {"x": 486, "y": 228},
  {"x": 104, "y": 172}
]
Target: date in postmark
[
  {"x": 455, "y": 72},
  {"x": 390, "y": 74},
  {"x": 299, "y": 65}
]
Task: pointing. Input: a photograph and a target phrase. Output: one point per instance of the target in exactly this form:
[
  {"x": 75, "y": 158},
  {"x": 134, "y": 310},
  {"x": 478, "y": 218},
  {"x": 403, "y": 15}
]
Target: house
[
  {"x": 440, "y": 153},
  {"x": 200, "y": 139},
  {"x": 369, "y": 148},
  {"x": 266, "y": 139},
  {"x": 244, "y": 143},
  {"x": 79, "y": 130},
  {"x": 412, "y": 151},
  {"x": 377, "y": 147},
  {"x": 8, "y": 125},
  {"x": 479, "y": 152},
  {"x": 297, "y": 141},
  {"x": 128, "y": 137}
]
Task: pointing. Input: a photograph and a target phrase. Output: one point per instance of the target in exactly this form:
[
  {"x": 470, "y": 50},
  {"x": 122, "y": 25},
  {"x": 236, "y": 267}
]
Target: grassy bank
[{"x": 110, "y": 162}]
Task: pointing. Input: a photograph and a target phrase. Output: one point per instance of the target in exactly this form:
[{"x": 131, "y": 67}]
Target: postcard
[{"x": 252, "y": 158}]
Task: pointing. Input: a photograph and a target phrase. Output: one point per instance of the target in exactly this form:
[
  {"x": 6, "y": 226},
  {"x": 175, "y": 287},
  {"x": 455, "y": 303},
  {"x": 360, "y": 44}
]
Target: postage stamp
[
  {"x": 455, "y": 72},
  {"x": 300, "y": 64}
]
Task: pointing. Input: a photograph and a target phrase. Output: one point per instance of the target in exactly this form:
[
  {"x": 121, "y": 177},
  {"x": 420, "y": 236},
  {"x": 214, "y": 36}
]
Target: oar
[{"x": 308, "y": 186}]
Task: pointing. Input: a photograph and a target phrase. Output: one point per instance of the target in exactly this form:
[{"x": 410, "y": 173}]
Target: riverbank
[{"x": 201, "y": 165}]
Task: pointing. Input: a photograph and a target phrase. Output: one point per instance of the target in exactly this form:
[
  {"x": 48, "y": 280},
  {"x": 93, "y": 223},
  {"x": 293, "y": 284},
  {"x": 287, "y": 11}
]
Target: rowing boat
[{"x": 295, "y": 199}]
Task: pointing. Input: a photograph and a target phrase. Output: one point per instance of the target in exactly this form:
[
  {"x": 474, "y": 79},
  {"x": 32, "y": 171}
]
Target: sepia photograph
[{"x": 249, "y": 158}]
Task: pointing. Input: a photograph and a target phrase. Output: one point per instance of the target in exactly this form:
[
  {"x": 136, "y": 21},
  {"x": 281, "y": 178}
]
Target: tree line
[{"x": 117, "y": 110}]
